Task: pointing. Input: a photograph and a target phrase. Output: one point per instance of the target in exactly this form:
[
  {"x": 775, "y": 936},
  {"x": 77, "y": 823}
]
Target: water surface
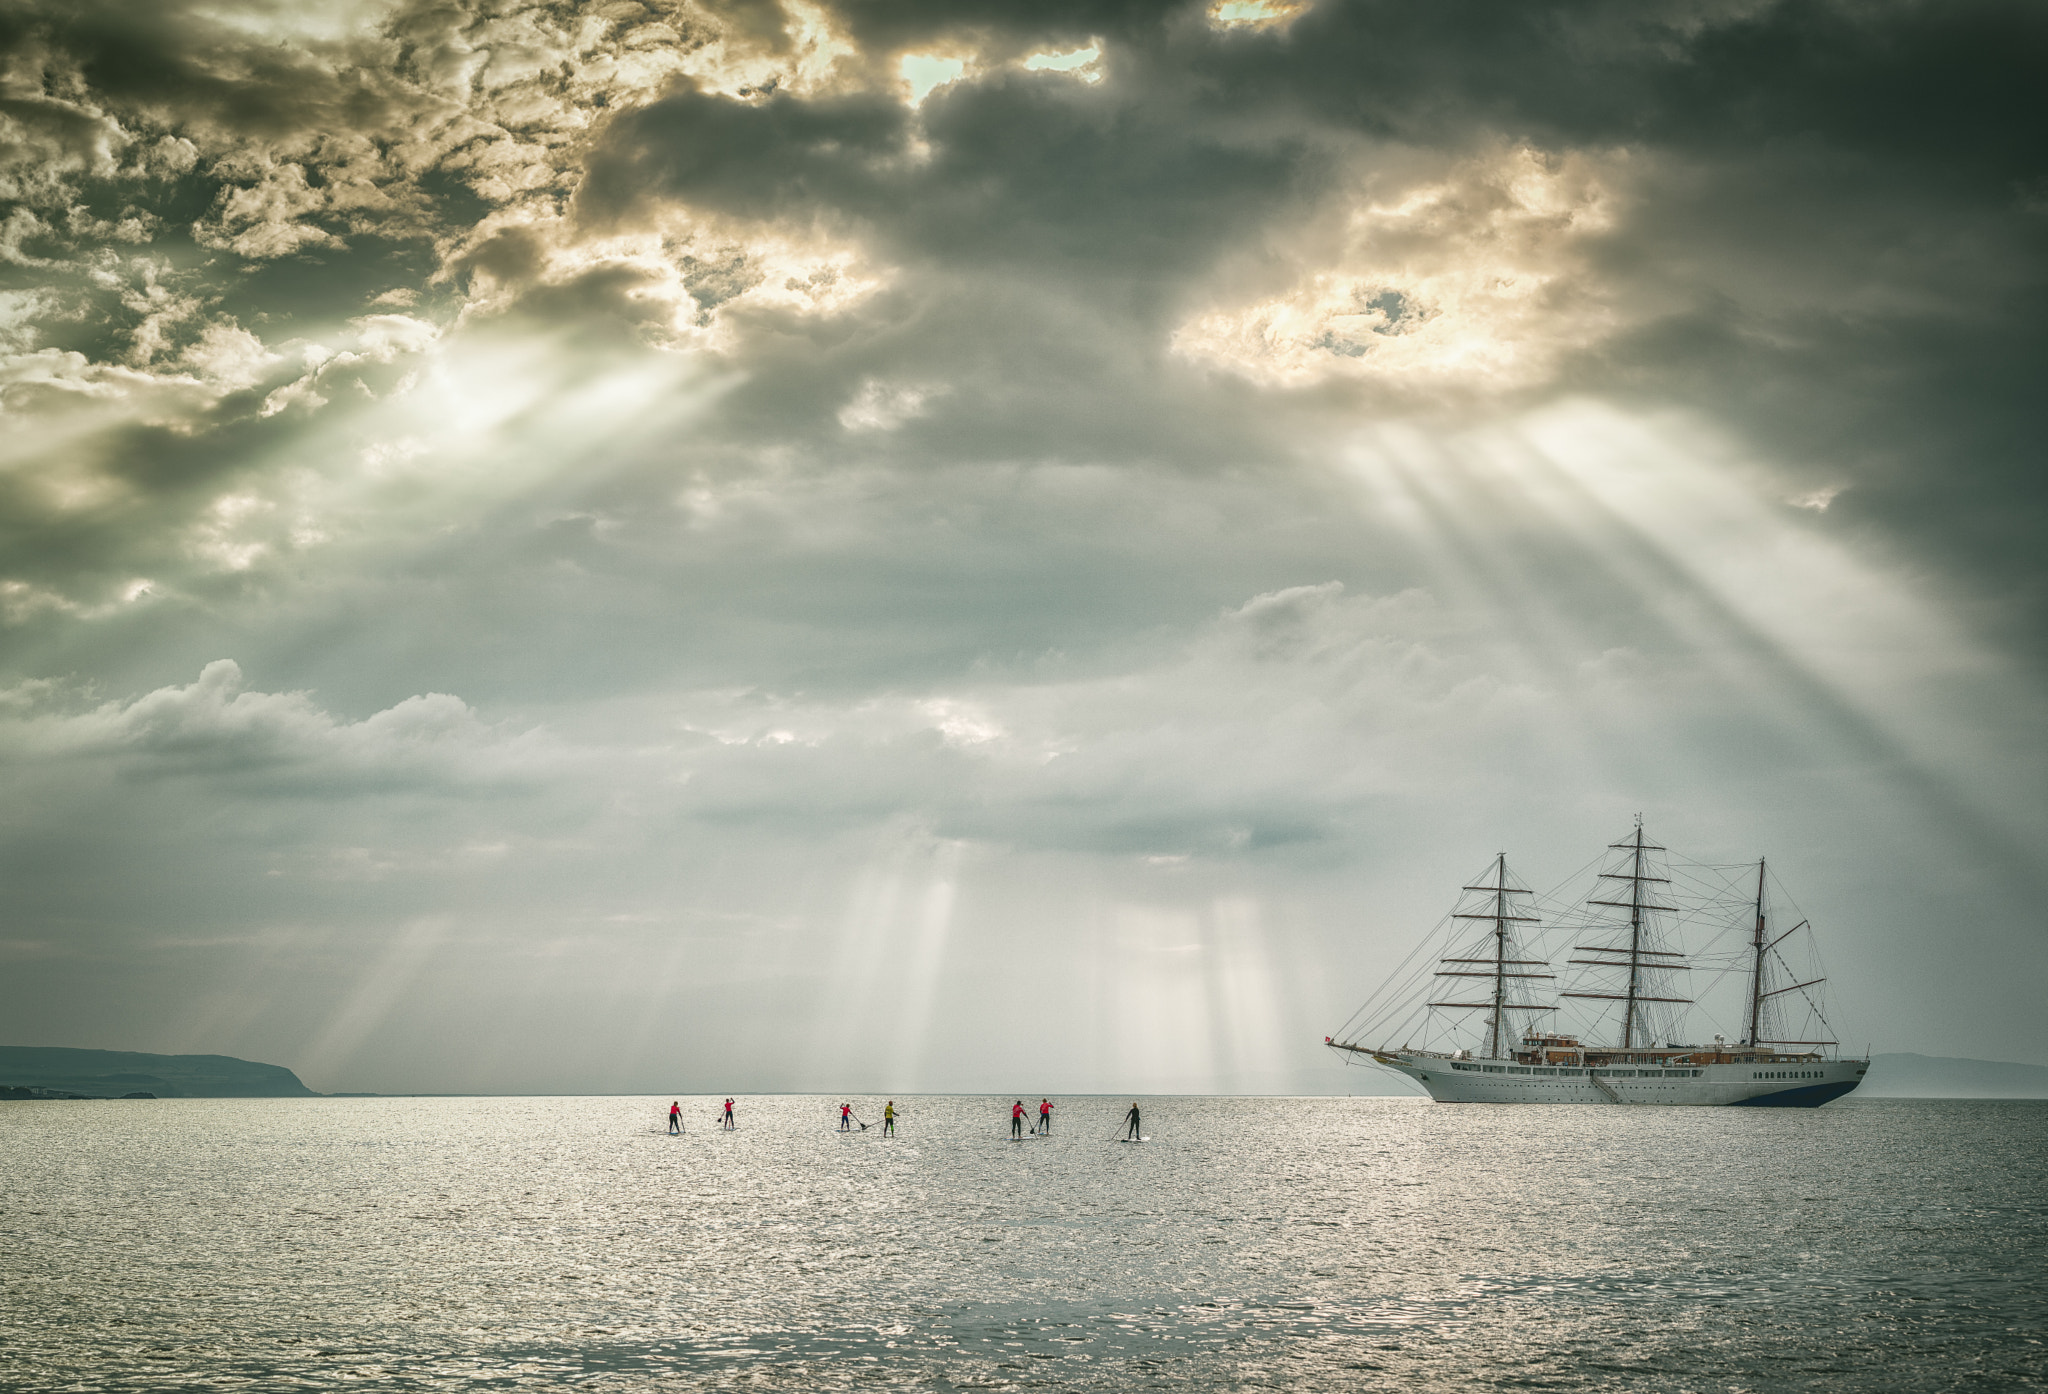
[{"x": 1301, "y": 1243}]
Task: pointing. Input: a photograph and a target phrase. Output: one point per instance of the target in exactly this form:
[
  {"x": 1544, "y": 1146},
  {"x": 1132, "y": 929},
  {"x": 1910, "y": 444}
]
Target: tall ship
[{"x": 1483, "y": 1015}]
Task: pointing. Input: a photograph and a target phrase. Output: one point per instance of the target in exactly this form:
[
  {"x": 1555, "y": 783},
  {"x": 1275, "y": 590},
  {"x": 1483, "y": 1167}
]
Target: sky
[{"x": 898, "y": 547}]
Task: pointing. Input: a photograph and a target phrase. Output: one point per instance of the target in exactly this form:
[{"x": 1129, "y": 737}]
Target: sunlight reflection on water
[{"x": 537, "y": 1243}]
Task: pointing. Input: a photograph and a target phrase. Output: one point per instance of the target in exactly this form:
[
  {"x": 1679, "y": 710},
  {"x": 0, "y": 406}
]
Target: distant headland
[
  {"x": 55, "y": 1072},
  {"x": 1908, "y": 1076}
]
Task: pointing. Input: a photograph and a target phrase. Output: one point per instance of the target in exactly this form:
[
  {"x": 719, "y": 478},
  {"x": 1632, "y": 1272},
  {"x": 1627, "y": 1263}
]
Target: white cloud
[
  {"x": 1081, "y": 62},
  {"x": 883, "y": 406},
  {"x": 1257, "y": 14},
  {"x": 229, "y": 356},
  {"x": 1475, "y": 280},
  {"x": 216, "y": 726},
  {"x": 925, "y": 73}
]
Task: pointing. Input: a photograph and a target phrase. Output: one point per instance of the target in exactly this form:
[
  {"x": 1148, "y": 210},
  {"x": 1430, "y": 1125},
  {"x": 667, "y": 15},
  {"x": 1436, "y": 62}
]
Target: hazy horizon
[
  {"x": 894, "y": 547},
  {"x": 1897, "y": 1075}
]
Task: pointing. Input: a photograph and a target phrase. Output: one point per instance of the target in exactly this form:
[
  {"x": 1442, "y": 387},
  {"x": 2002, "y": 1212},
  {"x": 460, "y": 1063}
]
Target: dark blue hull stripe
[{"x": 1806, "y": 1096}]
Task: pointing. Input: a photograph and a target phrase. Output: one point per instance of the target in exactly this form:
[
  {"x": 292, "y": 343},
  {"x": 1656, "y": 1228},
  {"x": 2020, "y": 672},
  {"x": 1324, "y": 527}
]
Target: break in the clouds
[{"x": 894, "y": 546}]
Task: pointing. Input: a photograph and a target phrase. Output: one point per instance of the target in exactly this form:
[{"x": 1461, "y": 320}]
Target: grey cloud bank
[{"x": 636, "y": 546}]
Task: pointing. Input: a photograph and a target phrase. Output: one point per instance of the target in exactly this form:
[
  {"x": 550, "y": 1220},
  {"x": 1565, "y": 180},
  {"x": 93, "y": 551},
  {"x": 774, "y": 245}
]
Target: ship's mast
[
  {"x": 1635, "y": 941},
  {"x": 1760, "y": 950},
  {"x": 1500, "y": 951},
  {"x": 1756, "y": 972},
  {"x": 1498, "y": 966},
  {"x": 1639, "y": 958}
]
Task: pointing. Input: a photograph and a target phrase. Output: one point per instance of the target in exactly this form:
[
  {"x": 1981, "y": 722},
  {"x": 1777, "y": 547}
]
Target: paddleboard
[{"x": 1133, "y": 1139}]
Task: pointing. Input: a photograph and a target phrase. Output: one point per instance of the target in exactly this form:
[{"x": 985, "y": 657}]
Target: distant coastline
[
  {"x": 1905, "y": 1075},
  {"x": 58, "y": 1072}
]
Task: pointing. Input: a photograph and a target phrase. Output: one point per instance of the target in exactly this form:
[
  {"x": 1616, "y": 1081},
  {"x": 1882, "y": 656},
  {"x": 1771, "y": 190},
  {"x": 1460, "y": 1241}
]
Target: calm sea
[{"x": 1353, "y": 1244}]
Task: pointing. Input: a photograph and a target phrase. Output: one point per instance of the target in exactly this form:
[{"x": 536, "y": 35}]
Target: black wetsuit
[{"x": 1132, "y": 1119}]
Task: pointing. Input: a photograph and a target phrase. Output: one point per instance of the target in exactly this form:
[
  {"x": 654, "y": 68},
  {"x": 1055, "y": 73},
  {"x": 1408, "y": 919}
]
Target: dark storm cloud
[
  {"x": 1050, "y": 230},
  {"x": 1829, "y": 218},
  {"x": 1845, "y": 199},
  {"x": 154, "y": 60},
  {"x": 1029, "y": 172}
]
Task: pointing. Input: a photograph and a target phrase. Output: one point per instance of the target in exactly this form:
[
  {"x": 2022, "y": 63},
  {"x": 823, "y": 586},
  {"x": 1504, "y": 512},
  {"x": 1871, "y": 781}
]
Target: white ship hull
[{"x": 1796, "y": 1084}]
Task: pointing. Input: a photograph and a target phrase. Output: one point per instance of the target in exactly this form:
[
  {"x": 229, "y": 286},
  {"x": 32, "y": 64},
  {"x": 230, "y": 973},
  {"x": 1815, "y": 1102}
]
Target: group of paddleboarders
[
  {"x": 1042, "y": 1128},
  {"x": 848, "y": 1122},
  {"x": 675, "y": 1117}
]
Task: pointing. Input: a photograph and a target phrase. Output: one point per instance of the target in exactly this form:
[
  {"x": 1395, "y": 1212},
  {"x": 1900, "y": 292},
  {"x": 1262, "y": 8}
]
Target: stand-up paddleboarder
[
  {"x": 675, "y": 1116},
  {"x": 1017, "y": 1121},
  {"x": 1045, "y": 1117},
  {"x": 889, "y": 1119},
  {"x": 726, "y": 1120},
  {"x": 1132, "y": 1135},
  {"x": 846, "y": 1118}
]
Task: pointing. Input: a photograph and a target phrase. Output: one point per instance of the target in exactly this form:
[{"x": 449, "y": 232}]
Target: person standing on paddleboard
[
  {"x": 1045, "y": 1117},
  {"x": 1017, "y": 1120},
  {"x": 889, "y": 1119},
  {"x": 846, "y": 1118},
  {"x": 675, "y": 1116},
  {"x": 1132, "y": 1119},
  {"x": 726, "y": 1121}
]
